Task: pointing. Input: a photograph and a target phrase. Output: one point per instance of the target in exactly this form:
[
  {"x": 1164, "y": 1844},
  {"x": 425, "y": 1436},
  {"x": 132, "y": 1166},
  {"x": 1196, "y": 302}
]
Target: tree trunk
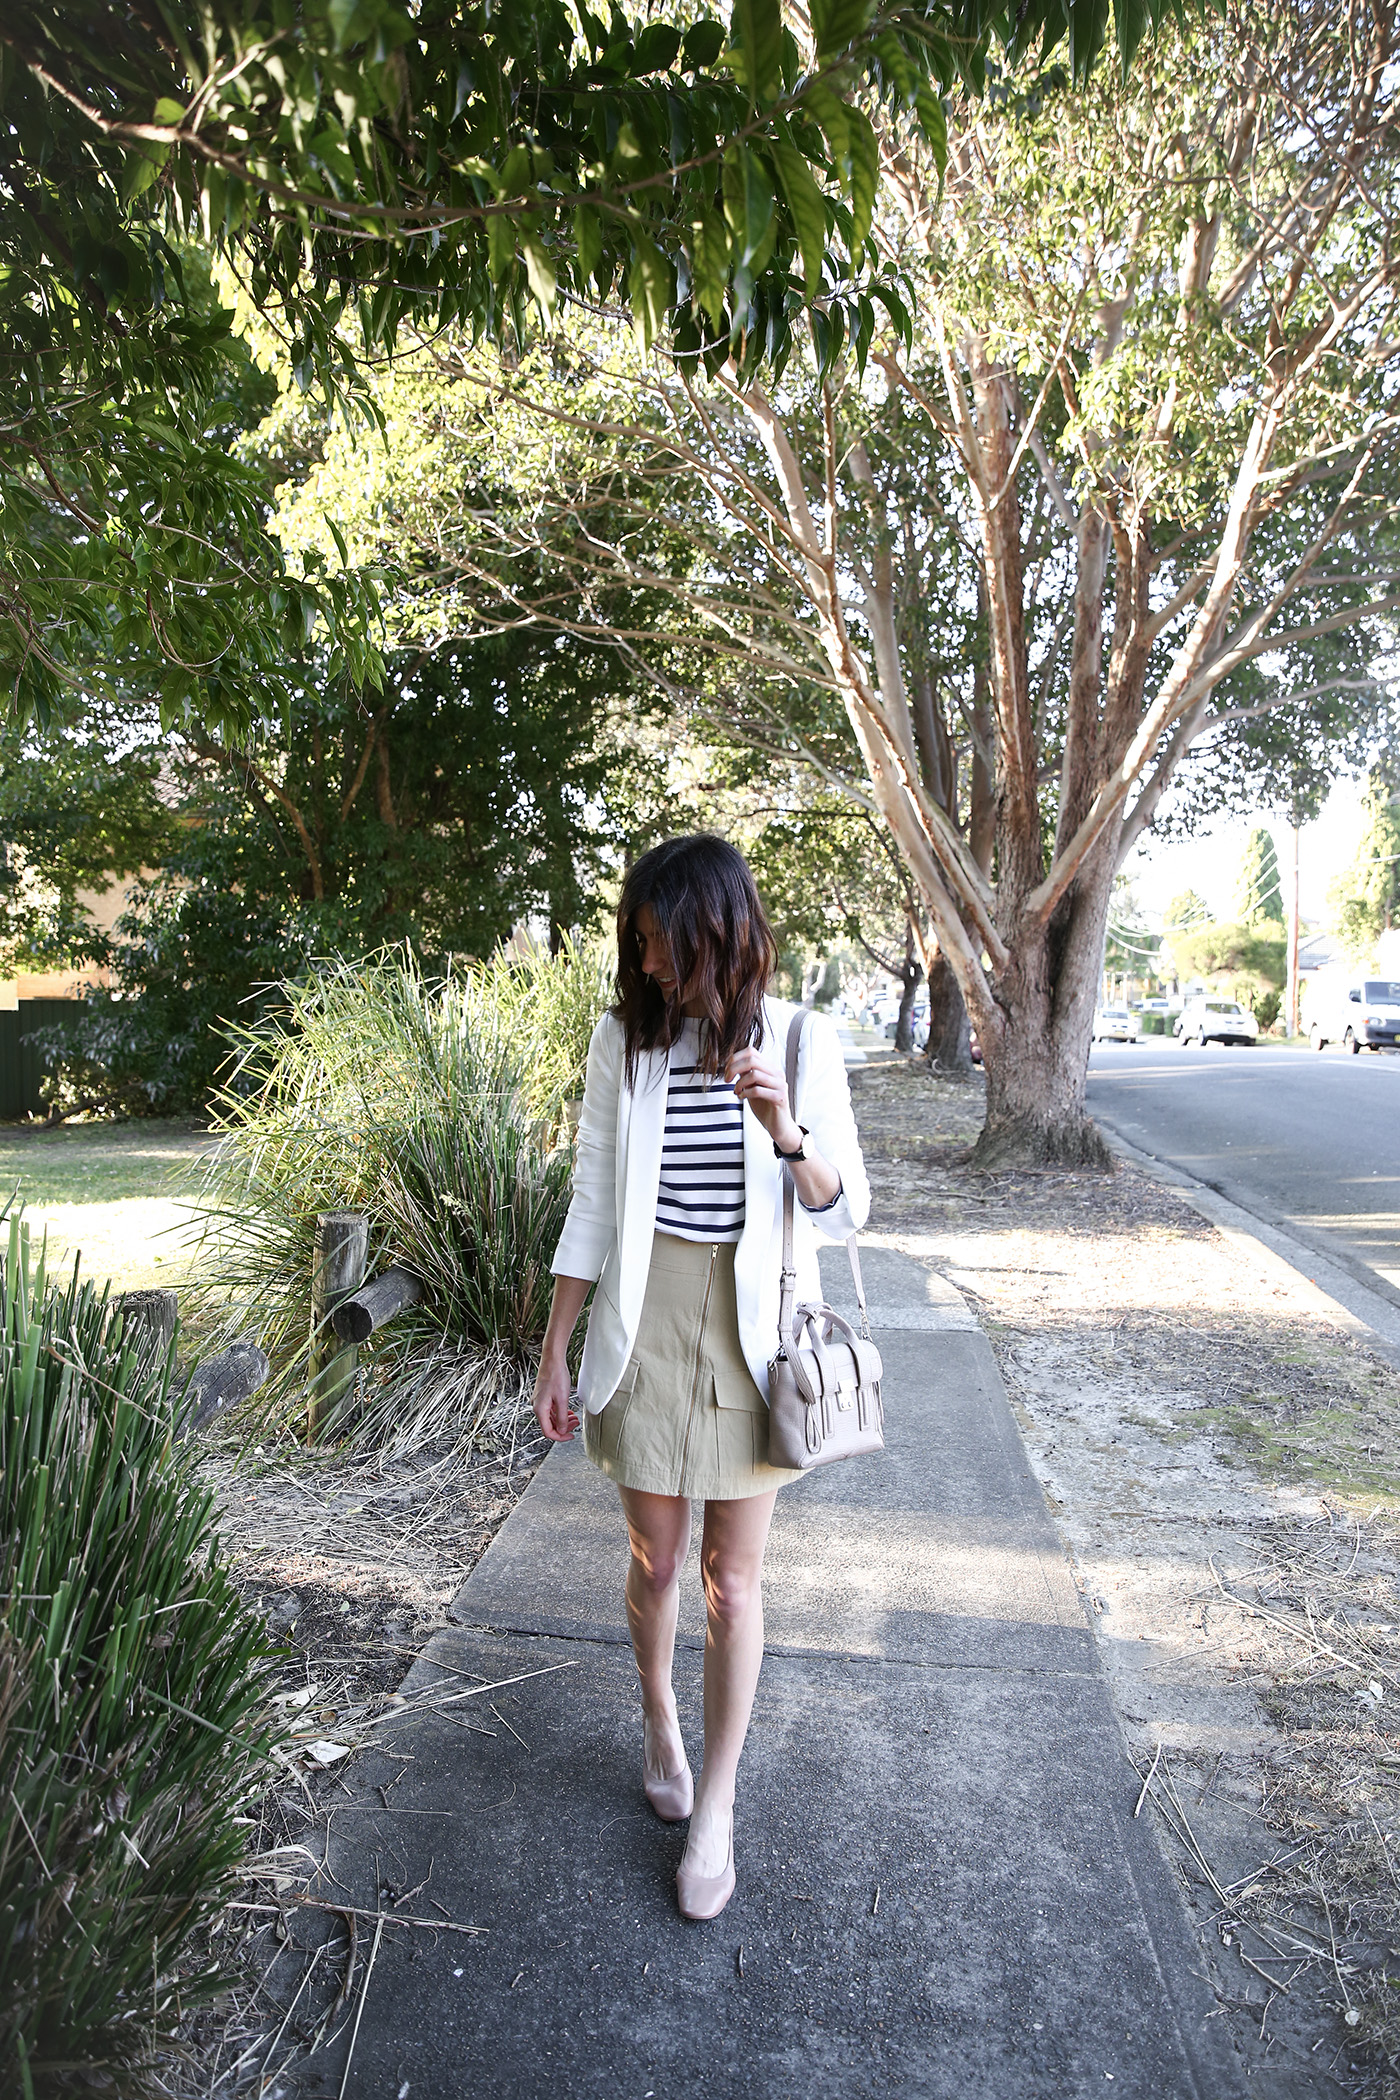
[
  {"x": 949, "y": 1049},
  {"x": 910, "y": 978},
  {"x": 1036, "y": 1082}
]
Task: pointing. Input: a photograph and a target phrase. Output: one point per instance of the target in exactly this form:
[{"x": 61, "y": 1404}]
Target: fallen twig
[
  {"x": 359, "y": 2011},
  {"x": 1137, "y": 1809},
  {"x": 419, "y": 1702},
  {"x": 311, "y": 1970},
  {"x": 349, "y": 1910}
]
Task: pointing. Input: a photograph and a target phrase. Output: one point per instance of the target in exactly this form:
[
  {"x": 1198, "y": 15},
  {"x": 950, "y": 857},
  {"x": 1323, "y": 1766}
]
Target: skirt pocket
[{"x": 602, "y": 1432}]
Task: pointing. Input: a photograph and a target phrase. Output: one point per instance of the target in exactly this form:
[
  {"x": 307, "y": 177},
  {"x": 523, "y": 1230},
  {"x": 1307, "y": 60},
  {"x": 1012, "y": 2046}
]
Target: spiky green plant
[
  {"x": 437, "y": 1108},
  {"x": 132, "y": 1679}
]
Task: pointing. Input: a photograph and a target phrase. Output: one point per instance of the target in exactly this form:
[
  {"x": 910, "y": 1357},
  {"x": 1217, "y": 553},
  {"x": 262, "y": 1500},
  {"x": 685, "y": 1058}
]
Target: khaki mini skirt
[{"x": 687, "y": 1418}]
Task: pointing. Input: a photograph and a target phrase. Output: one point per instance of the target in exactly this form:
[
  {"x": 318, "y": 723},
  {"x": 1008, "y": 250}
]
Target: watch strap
[{"x": 801, "y": 1152}]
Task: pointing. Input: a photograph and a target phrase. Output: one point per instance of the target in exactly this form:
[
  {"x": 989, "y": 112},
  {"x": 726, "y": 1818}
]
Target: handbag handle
[{"x": 789, "y": 1273}]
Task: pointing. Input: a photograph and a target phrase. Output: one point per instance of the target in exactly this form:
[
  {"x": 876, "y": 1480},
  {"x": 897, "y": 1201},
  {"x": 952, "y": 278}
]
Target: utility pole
[{"x": 1293, "y": 935}]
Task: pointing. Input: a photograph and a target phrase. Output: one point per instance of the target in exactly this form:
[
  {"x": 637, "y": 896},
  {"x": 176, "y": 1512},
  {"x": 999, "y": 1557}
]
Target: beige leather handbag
[{"x": 824, "y": 1383}]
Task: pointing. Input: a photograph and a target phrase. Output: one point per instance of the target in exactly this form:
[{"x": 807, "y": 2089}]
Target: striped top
[{"x": 701, "y": 1196}]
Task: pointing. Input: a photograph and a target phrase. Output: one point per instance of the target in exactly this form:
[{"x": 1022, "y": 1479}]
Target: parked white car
[
  {"x": 1116, "y": 1024},
  {"x": 1363, "y": 1014},
  {"x": 1203, "y": 1021}
]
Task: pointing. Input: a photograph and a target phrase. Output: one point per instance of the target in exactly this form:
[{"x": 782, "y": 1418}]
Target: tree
[
  {"x": 828, "y": 873},
  {"x": 537, "y": 487},
  {"x": 487, "y": 785},
  {"x": 1143, "y": 555},
  {"x": 1250, "y": 959},
  {"x": 1185, "y": 910},
  {"x": 1259, "y": 896},
  {"x": 1105, "y": 362},
  {"x": 1365, "y": 900},
  {"x": 80, "y": 808},
  {"x": 364, "y": 167}
]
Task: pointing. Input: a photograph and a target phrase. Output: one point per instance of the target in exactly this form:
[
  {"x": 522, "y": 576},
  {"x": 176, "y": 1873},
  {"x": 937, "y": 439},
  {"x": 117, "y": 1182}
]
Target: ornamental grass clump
[
  {"x": 133, "y": 1681},
  {"x": 440, "y": 1109}
]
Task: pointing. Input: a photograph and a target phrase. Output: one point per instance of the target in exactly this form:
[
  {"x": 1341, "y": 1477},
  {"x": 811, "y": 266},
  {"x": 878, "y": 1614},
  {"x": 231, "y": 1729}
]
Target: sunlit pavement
[{"x": 1306, "y": 1140}]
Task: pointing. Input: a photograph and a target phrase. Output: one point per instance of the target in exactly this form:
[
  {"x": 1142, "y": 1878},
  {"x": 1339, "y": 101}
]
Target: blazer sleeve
[
  {"x": 591, "y": 1225},
  {"x": 824, "y": 1105}
]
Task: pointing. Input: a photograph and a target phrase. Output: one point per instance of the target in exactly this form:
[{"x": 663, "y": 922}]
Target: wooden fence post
[
  {"x": 155, "y": 1311},
  {"x": 338, "y": 1268}
]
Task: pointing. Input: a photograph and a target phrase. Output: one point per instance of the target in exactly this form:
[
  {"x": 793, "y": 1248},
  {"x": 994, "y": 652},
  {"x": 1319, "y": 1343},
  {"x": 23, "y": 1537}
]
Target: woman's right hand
[{"x": 553, "y": 1389}]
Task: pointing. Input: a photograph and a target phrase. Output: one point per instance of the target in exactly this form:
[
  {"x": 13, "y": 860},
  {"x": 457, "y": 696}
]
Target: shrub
[
  {"x": 131, "y": 1681},
  {"x": 1266, "y": 1010},
  {"x": 438, "y": 1109}
]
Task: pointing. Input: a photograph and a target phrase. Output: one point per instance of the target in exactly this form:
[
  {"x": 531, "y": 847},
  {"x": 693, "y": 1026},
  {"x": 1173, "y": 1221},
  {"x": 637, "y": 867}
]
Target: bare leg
[
  {"x": 659, "y": 1529},
  {"x": 731, "y": 1564}
]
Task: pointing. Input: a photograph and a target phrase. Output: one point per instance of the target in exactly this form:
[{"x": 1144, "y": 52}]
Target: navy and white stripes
[{"x": 701, "y": 1194}]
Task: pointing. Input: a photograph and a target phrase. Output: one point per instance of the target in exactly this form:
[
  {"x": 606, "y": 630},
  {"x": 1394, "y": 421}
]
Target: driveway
[{"x": 1307, "y": 1141}]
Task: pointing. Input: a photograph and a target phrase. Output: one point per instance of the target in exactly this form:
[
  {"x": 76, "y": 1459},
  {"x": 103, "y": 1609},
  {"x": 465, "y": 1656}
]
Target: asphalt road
[{"x": 1304, "y": 1140}]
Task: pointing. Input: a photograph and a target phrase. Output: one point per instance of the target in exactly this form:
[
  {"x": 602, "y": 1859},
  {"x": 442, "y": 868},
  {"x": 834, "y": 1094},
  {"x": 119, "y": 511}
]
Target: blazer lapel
[
  {"x": 645, "y": 1112},
  {"x": 762, "y": 1186}
]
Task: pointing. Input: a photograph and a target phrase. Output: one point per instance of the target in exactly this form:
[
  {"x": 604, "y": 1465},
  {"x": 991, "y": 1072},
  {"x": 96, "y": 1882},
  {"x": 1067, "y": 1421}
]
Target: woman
[{"x": 676, "y": 1218}]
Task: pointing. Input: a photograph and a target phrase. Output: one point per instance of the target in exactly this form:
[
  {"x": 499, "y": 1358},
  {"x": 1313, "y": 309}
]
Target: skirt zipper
[{"x": 695, "y": 1375}]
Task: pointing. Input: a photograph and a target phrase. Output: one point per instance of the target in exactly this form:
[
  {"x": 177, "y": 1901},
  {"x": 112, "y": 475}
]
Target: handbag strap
[{"x": 789, "y": 1273}]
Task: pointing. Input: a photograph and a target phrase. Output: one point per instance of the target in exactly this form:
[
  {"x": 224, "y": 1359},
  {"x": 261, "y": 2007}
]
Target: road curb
[{"x": 1364, "y": 1314}]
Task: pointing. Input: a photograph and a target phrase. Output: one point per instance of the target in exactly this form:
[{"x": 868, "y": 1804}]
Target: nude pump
[
  {"x": 705, "y": 1895},
  {"x": 673, "y": 1798}
]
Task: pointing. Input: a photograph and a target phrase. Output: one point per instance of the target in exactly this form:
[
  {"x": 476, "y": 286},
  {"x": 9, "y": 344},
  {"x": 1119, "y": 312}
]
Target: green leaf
[
  {"x": 864, "y": 178},
  {"x": 896, "y": 309},
  {"x": 896, "y": 65},
  {"x": 167, "y": 111},
  {"x": 650, "y": 290},
  {"x": 588, "y": 241},
  {"x": 1131, "y": 20},
  {"x": 344, "y": 17},
  {"x": 140, "y": 169},
  {"x": 500, "y": 245},
  {"x": 836, "y": 22},
  {"x": 656, "y": 50},
  {"x": 756, "y": 41},
  {"x": 804, "y": 202},
  {"x": 709, "y": 262},
  {"x": 539, "y": 270},
  {"x": 703, "y": 43},
  {"x": 515, "y": 172},
  {"x": 933, "y": 122},
  {"x": 748, "y": 203},
  {"x": 1088, "y": 25},
  {"x": 834, "y": 117}
]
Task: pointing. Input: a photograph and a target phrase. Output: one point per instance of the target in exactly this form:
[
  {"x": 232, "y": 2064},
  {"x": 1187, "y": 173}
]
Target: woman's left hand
[{"x": 764, "y": 1087}]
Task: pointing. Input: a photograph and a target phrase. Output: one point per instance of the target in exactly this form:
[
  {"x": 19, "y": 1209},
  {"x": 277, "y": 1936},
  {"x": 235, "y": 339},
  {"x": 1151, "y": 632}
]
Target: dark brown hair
[{"x": 722, "y": 949}]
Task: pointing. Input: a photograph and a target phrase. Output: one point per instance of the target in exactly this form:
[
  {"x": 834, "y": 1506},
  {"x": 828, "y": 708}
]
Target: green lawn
[{"x": 107, "y": 1191}]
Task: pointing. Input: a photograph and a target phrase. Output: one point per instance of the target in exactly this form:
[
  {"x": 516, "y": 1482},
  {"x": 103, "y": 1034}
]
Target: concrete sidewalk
[{"x": 942, "y": 1888}]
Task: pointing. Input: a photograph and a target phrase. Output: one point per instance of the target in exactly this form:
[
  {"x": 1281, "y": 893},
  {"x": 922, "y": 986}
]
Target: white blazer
[{"x": 608, "y": 1233}]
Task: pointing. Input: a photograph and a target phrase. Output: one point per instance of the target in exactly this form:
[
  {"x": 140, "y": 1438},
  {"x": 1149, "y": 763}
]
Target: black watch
[{"x": 800, "y": 1153}]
